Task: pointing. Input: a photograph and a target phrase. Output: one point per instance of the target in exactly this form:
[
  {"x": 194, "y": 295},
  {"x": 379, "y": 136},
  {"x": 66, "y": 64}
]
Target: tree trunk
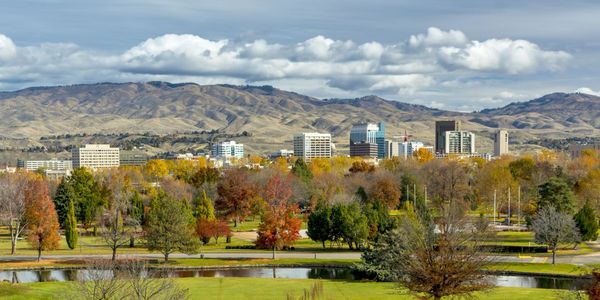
[
  {"x": 13, "y": 246},
  {"x": 323, "y": 244},
  {"x": 131, "y": 242},
  {"x": 235, "y": 221},
  {"x": 114, "y": 253},
  {"x": 553, "y": 255},
  {"x": 39, "y": 253},
  {"x": 166, "y": 257}
]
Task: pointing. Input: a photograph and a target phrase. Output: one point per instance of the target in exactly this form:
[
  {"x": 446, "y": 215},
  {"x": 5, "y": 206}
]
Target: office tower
[
  {"x": 95, "y": 156},
  {"x": 312, "y": 145},
  {"x": 440, "y": 128},
  {"x": 228, "y": 150},
  {"x": 369, "y": 133},
  {"x": 406, "y": 149},
  {"x": 501, "y": 143},
  {"x": 369, "y": 150},
  {"x": 459, "y": 142}
]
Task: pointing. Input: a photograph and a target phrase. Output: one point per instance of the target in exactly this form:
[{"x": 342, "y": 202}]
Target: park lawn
[
  {"x": 207, "y": 262},
  {"x": 251, "y": 224},
  {"x": 561, "y": 269},
  {"x": 267, "y": 288}
]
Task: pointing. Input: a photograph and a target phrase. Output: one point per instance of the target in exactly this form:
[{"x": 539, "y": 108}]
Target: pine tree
[
  {"x": 205, "y": 209},
  {"x": 62, "y": 199},
  {"x": 301, "y": 170},
  {"x": 71, "y": 226},
  {"x": 587, "y": 222}
]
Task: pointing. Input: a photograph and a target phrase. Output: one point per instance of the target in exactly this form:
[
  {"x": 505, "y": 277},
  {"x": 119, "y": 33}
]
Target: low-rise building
[
  {"x": 132, "y": 158},
  {"x": 51, "y": 164},
  {"x": 95, "y": 156}
]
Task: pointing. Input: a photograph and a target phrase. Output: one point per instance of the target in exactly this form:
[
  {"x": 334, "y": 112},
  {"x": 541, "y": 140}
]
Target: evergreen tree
[
  {"x": 556, "y": 192},
  {"x": 301, "y": 170},
  {"x": 88, "y": 196},
  {"x": 587, "y": 223},
  {"x": 71, "y": 226},
  {"x": 319, "y": 224},
  {"x": 205, "y": 209},
  {"x": 136, "y": 207},
  {"x": 62, "y": 199}
]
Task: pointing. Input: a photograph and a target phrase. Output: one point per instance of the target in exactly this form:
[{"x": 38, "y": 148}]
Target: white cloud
[
  {"x": 425, "y": 64},
  {"x": 509, "y": 56},
  {"x": 586, "y": 90}
]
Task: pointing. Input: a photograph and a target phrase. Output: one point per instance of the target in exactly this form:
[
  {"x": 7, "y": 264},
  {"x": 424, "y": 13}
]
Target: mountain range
[{"x": 271, "y": 115}]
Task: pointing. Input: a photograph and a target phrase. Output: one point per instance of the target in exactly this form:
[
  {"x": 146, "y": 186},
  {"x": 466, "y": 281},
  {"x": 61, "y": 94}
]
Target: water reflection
[{"x": 544, "y": 282}]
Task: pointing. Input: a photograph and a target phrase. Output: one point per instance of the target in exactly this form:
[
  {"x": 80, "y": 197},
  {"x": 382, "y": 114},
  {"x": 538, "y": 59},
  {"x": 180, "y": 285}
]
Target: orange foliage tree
[{"x": 41, "y": 216}]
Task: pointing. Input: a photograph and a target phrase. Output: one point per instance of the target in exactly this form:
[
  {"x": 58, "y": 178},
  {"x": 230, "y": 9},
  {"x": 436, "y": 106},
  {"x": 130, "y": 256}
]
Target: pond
[{"x": 544, "y": 282}]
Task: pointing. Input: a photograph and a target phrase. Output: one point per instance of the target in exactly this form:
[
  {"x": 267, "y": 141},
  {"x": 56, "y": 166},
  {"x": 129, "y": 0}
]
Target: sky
[{"x": 460, "y": 55}]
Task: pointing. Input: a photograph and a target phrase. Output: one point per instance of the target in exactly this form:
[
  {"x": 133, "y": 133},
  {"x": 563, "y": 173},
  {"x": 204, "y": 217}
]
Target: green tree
[
  {"x": 71, "y": 226},
  {"x": 88, "y": 196},
  {"x": 349, "y": 224},
  {"x": 168, "y": 226},
  {"x": 587, "y": 222},
  {"x": 135, "y": 210},
  {"x": 205, "y": 209},
  {"x": 319, "y": 224},
  {"x": 62, "y": 199},
  {"x": 556, "y": 192},
  {"x": 301, "y": 170}
]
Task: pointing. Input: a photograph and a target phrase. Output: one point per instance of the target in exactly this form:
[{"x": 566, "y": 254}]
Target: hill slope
[{"x": 269, "y": 114}]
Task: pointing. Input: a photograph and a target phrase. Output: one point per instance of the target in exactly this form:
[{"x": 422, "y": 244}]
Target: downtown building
[
  {"x": 501, "y": 143},
  {"x": 309, "y": 145},
  {"x": 95, "y": 156},
  {"x": 227, "y": 150},
  {"x": 367, "y": 133},
  {"x": 441, "y": 127},
  {"x": 459, "y": 142},
  {"x": 52, "y": 164}
]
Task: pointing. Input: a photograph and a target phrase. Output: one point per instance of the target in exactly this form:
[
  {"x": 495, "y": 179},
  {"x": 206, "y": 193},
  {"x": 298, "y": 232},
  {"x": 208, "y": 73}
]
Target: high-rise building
[
  {"x": 369, "y": 133},
  {"x": 459, "y": 142},
  {"x": 440, "y": 129},
  {"x": 501, "y": 143},
  {"x": 364, "y": 150},
  {"x": 95, "y": 156},
  {"x": 52, "y": 164},
  {"x": 406, "y": 149},
  {"x": 312, "y": 145},
  {"x": 228, "y": 150}
]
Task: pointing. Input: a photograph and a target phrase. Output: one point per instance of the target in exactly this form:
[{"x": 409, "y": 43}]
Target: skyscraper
[
  {"x": 369, "y": 133},
  {"x": 440, "y": 128},
  {"x": 501, "y": 143},
  {"x": 459, "y": 142},
  {"x": 312, "y": 145}
]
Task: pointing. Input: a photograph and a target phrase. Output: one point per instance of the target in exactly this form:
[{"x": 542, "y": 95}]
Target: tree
[
  {"x": 235, "y": 195},
  {"x": 42, "y": 219},
  {"x": 62, "y": 199},
  {"x": 349, "y": 224},
  {"x": 447, "y": 180},
  {"x": 205, "y": 209},
  {"x": 168, "y": 226},
  {"x": 319, "y": 223},
  {"x": 13, "y": 205},
  {"x": 361, "y": 167},
  {"x": 301, "y": 170},
  {"x": 557, "y": 193},
  {"x": 71, "y": 226},
  {"x": 439, "y": 258},
  {"x": 386, "y": 191},
  {"x": 586, "y": 220},
  {"x": 553, "y": 227},
  {"x": 88, "y": 195},
  {"x": 157, "y": 169},
  {"x": 423, "y": 155},
  {"x": 279, "y": 227}
]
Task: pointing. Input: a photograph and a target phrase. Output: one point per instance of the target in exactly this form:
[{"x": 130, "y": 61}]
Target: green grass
[
  {"x": 562, "y": 269},
  {"x": 266, "y": 288},
  {"x": 197, "y": 262}
]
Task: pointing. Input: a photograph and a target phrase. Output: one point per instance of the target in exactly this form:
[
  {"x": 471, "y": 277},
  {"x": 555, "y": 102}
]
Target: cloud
[
  {"x": 504, "y": 55},
  {"x": 586, "y": 90},
  {"x": 427, "y": 63}
]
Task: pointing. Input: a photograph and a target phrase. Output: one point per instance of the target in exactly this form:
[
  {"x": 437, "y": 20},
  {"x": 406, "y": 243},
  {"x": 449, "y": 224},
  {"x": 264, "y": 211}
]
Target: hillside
[{"x": 270, "y": 115}]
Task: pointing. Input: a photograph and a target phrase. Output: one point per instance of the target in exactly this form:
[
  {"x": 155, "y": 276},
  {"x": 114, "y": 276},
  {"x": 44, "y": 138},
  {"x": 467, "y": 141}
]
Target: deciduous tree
[
  {"x": 13, "y": 205},
  {"x": 42, "y": 219},
  {"x": 236, "y": 192},
  {"x": 552, "y": 227}
]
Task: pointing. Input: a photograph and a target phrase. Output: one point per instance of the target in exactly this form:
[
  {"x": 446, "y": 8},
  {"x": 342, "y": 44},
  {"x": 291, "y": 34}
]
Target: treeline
[{"x": 345, "y": 201}]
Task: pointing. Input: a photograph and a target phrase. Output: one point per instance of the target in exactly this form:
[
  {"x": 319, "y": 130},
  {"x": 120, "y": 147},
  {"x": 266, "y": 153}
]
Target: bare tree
[
  {"x": 552, "y": 228},
  {"x": 437, "y": 257},
  {"x": 128, "y": 279},
  {"x": 12, "y": 206}
]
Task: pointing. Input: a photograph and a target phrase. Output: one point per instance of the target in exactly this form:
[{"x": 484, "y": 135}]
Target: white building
[
  {"x": 282, "y": 153},
  {"x": 228, "y": 150},
  {"x": 501, "y": 143},
  {"x": 312, "y": 145},
  {"x": 406, "y": 149},
  {"x": 52, "y": 164},
  {"x": 95, "y": 156},
  {"x": 459, "y": 142}
]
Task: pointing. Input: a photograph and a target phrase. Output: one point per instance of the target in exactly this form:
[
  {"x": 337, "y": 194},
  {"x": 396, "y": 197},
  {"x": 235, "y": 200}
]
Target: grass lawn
[
  {"x": 265, "y": 288},
  {"x": 197, "y": 262},
  {"x": 563, "y": 269}
]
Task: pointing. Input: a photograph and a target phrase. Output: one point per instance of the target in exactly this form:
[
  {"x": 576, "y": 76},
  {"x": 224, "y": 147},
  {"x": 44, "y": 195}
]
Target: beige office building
[
  {"x": 501, "y": 143},
  {"x": 459, "y": 142},
  {"x": 312, "y": 145},
  {"x": 95, "y": 156}
]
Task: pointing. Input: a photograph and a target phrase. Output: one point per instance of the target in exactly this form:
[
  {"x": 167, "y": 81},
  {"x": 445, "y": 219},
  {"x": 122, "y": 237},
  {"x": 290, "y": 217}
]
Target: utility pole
[
  {"x": 425, "y": 194},
  {"x": 415, "y": 195},
  {"x": 494, "y": 207},
  {"x": 508, "y": 222},
  {"x": 519, "y": 208}
]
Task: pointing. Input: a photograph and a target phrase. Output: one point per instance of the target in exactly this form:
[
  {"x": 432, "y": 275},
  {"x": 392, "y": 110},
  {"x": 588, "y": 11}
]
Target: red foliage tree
[
  {"x": 41, "y": 216},
  {"x": 207, "y": 229},
  {"x": 278, "y": 189},
  {"x": 236, "y": 192},
  {"x": 279, "y": 228}
]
